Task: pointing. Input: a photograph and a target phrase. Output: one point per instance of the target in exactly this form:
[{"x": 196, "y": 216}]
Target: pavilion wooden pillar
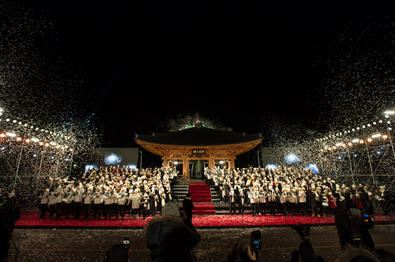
[
  {"x": 185, "y": 168},
  {"x": 232, "y": 163},
  {"x": 211, "y": 163}
]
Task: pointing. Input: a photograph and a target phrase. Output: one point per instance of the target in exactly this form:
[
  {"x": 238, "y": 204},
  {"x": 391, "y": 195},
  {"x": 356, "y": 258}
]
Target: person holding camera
[
  {"x": 172, "y": 236},
  {"x": 247, "y": 251}
]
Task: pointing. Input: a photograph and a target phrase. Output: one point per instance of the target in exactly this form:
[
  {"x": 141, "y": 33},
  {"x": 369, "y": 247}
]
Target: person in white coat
[
  {"x": 254, "y": 198},
  {"x": 52, "y": 204},
  {"x": 88, "y": 199},
  {"x": 302, "y": 201},
  {"x": 68, "y": 204},
  {"x": 122, "y": 200},
  {"x": 97, "y": 202},
  {"x": 135, "y": 199},
  {"x": 78, "y": 193},
  {"x": 108, "y": 200}
]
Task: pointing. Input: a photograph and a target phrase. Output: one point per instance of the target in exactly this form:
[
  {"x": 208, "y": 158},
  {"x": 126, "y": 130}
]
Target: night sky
[{"x": 143, "y": 62}]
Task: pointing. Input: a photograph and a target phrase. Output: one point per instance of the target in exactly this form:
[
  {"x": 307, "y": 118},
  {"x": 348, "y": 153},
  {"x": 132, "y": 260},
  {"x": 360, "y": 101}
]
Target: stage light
[
  {"x": 291, "y": 158},
  {"x": 361, "y": 141},
  {"x": 46, "y": 144},
  {"x": 374, "y": 123},
  {"x": 11, "y": 134},
  {"x": 18, "y": 139},
  {"x": 350, "y": 144},
  {"x": 35, "y": 139},
  {"x": 53, "y": 143},
  {"x": 175, "y": 162},
  {"x": 57, "y": 146},
  {"x": 356, "y": 140},
  {"x": 376, "y": 135},
  {"x": 370, "y": 140},
  {"x": 339, "y": 144},
  {"x": 389, "y": 122},
  {"x": 353, "y": 129},
  {"x": 14, "y": 121},
  {"x": 8, "y": 120},
  {"x": 31, "y": 127},
  {"x": 34, "y": 155},
  {"x": 357, "y": 128},
  {"x": 41, "y": 143},
  {"x": 334, "y": 147},
  {"x": 221, "y": 162},
  {"x": 389, "y": 112},
  {"x": 2, "y": 135},
  {"x": 380, "y": 121},
  {"x": 385, "y": 136},
  {"x": 20, "y": 123},
  {"x": 363, "y": 126},
  {"x": 27, "y": 140},
  {"x": 272, "y": 166}
]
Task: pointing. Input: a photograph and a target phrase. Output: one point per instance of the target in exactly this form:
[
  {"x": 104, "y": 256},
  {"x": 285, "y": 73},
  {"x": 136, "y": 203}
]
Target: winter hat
[{"x": 170, "y": 209}]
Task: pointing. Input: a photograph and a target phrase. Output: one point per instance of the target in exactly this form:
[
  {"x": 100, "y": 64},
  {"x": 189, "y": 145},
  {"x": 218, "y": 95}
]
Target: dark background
[{"x": 239, "y": 62}]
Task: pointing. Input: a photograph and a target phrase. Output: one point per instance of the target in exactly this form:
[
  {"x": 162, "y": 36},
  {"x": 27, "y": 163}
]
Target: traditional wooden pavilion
[{"x": 198, "y": 143}]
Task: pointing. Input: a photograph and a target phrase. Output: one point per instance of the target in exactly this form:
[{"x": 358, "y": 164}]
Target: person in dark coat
[
  {"x": 342, "y": 222},
  {"x": 172, "y": 236},
  {"x": 360, "y": 226},
  {"x": 312, "y": 201},
  {"x": 9, "y": 214},
  {"x": 187, "y": 205}
]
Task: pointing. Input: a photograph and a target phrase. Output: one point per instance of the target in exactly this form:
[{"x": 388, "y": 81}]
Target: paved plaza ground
[{"x": 91, "y": 245}]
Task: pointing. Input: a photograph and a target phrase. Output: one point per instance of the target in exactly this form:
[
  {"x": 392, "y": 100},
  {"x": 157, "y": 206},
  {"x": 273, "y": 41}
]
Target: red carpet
[
  {"x": 201, "y": 198},
  {"x": 31, "y": 219}
]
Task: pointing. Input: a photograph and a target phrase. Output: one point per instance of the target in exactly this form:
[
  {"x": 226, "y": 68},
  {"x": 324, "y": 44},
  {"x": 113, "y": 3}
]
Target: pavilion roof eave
[{"x": 159, "y": 149}]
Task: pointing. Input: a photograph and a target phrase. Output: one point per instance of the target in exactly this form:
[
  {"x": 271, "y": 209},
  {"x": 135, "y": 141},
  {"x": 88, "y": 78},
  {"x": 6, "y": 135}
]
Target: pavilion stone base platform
[{"x": 31, "y": 219}]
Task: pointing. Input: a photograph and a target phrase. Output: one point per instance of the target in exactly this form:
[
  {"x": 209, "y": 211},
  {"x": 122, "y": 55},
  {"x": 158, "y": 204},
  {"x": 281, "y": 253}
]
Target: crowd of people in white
[
  {"x": 112, "y": 191},
  {"x": 109, "y": 191},
  {"x": 289, "y": 190}
]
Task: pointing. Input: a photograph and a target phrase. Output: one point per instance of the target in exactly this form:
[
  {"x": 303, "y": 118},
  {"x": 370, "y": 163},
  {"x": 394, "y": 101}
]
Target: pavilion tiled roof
[{"x": 199, "y": 136}]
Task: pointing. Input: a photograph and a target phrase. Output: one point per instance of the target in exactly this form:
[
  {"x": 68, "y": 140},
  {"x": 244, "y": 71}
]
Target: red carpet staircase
[{"x": 201, "y": 198}]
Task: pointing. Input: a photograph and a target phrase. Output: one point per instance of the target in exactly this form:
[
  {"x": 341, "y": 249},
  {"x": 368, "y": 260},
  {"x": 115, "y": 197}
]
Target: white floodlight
[
  {"x": 389, "y": 112},
  {"x": 380, "y": 121},
  {"x": 376, "y": 135},
  {"x": 356, "y": 140},
  {"x": 339, "y": 144},
  {"x": 35, "y": 139},
  {"x": 11, "y": 134},
  {"x": 53, "y": 143}
]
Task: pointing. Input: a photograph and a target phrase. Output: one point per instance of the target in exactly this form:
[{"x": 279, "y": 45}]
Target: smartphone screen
[
  {"x": 126, "y": 242},
  {"x": 255, "y": 241}
]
